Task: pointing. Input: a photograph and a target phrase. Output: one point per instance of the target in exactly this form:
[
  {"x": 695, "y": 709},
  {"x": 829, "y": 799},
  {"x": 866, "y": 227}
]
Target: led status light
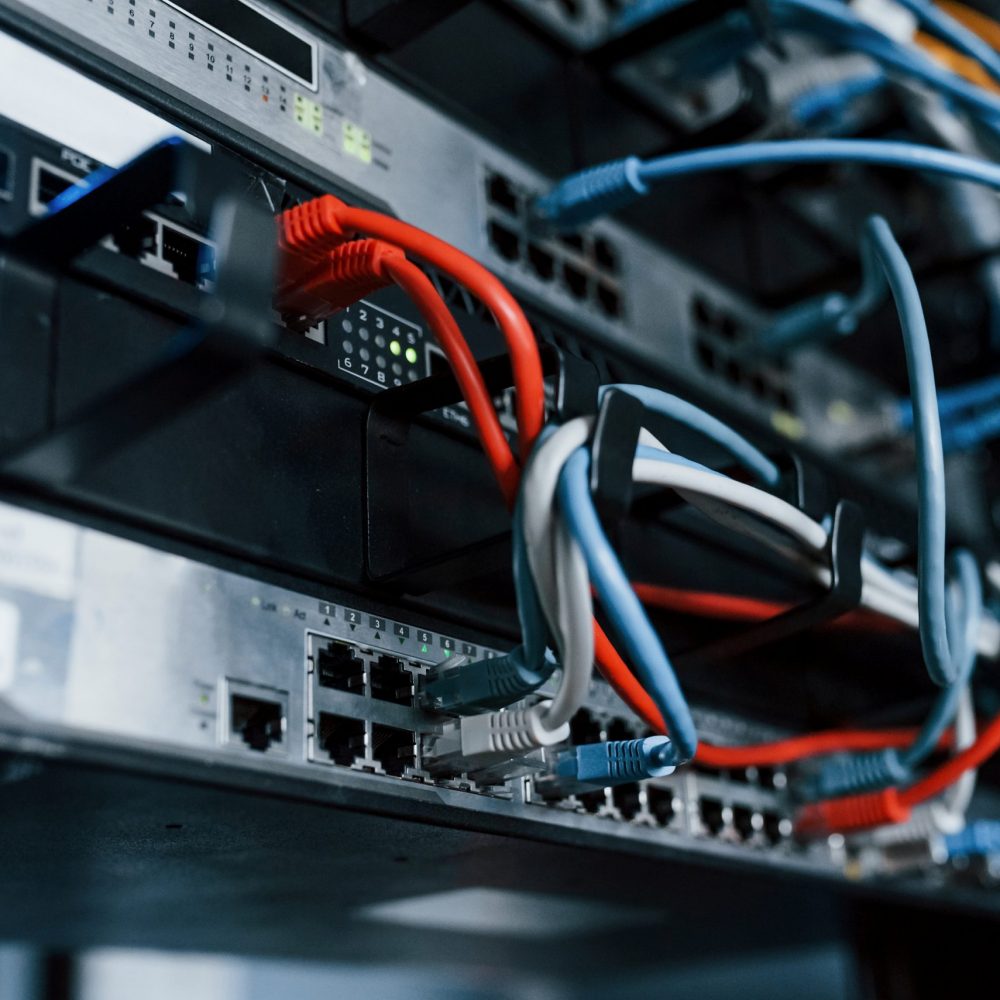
[
  {"x": 395, "y": 347},
  {"x": 411, "y": 355}
]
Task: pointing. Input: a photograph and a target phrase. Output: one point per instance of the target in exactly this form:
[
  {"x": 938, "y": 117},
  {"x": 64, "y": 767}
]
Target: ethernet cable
[
  {"x": 890, "y": 766},
  {"x": 941, "y": 660},
  {"x": 583, "y": 196},
  {"x": 940, "y": 23},
  {"x": 836, "y": 22},
  {"x": 311, "y": 230},
  {"x": 826, "y": 317},
  {"x": 957, "y": 401}
]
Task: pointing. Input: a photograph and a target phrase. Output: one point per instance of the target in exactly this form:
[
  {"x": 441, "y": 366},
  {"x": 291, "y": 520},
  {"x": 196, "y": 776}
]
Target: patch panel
[{"x": 584, "y": 268}]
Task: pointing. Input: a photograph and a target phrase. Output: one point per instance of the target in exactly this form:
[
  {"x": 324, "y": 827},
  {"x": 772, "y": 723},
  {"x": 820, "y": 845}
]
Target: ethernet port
[
  {"x": 619, "y": 729},
  {"x": 135, "y": 239},
  {"x": 594, "y": 801},
  {"x": 500, "y": 192},
  {"x": 660, "y": 802},
  {"x": 391, "y": 681},
  {"x": 394, "y": 749},
  {"x": 541, "y": 261},
  {"x": 339, "y": 666},
  {"x": 584, "y": 728},
  {"x": 711, "y": 813},
  {"x": 743, "y": 821},
  {"x": 626, "y": 798},
  {"x": 259, "y": 723},
  {"x": 605, "y": 255},
  {"x": 774, "y": 828},
  {"x": 504, "y": 241},
  {"x": 340, "y": 738},
  {"x": 575, "y": 281},
  {"x": 192, "y": 260},
  {"x": 609, "y": 300},
  {"x": 49, "y": 184}
]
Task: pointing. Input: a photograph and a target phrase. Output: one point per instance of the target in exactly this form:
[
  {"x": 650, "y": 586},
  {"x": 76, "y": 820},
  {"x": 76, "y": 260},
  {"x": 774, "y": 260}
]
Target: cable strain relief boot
[
  {"x": 346, "y": 274},
  {"x": 590, "y": 193},
  {"x": 981, "y": 838},
  {"x": 485, "y": 684},
  {"x": 857, "y": 773},
  {"x": 308, "y": 232},
  {"x": 851, "y": 813},
  {"x": 619, "y": 761},
  {"x": 516, "y": 731}
]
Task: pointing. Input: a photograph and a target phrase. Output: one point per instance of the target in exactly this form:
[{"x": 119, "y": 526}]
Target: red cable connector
[
  {"x": 851, "y": 813},
  {"x": 344, "y": 275}
]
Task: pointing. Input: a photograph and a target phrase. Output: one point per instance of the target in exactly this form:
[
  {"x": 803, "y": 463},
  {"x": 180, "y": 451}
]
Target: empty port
[
  {"x": 394, "y": 749},
  {"x": 134, "y": 239},
  {"x": 258, "y": 722},
  {"x": 710, "y": 811},
  {"x": 541, "y": 261},
  {"x": 619, "y": 729},
  {"x": 504, "y": 241},
  {"x": 593, "y": 801},
  {"x": 192, "y": 260},
  {"x": 340, "y": 738},
  {"x": 701, "y": 312},
  {"x": 729, "y": 327},
  {"x": 738, "y": 775},
  {"x": 743, "y": 821},
  {"x": 339, "y": 666},
  {"x": 575, "y": 280},
  {"x": 437, "y": 363},
  {"x": 500, "y": 192},
  {"x": 573, "y": 241},
  {"x": 49, "y": 184},
  {"x": 773, "y": 828},
  {"x": 660, "y": 802},
  {"x": 706, "y": 355},
  {"x": 6, "y": 173},
  {"x": 584, "y": 728},
  {"x": 626, "y": 798},
  {"x": 605, "y": 255},
  {"x": 391, "y": 681},
  {"x": 609, "y": 300}
]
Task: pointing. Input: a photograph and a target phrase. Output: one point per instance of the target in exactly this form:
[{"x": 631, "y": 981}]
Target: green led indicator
[
  {"x": 411, "y": 355},
  {"x": 423, "y": 648},
  {"x": 395, "y": 348},
  {"x": 447, "y": 653}
]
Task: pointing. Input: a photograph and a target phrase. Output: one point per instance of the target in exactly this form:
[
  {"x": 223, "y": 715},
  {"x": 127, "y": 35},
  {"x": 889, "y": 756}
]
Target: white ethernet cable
[{"x": 882, "y": 592}]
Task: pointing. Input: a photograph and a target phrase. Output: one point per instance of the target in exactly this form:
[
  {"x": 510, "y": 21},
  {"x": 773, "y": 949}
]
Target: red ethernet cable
[
  {"x": 317, "y": 285},
  {"x": 310, "y": 232},
  {"x": 893, "y": 805},
  {"x": 320, "y": 225}
]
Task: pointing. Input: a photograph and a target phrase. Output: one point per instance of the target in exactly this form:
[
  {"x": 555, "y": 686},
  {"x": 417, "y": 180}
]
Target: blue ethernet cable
[
  {"x": 624, "y": 609},
  {"x": 681, "y": 411},
  {"x": 978, "y": 839},
  {"x": 964, "y": 638},
  {"x": 931, "y": 529},
  {"x": 826, "y": 317},
  {"x": 973, "y": 432},
  {"x": 957, "y": 400},
  {"x": 582, "y": 196},
  {"x": 957, "y": 35},
  {"x": 502, "y": 680},
  {"x": 835, "y": 21}
]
